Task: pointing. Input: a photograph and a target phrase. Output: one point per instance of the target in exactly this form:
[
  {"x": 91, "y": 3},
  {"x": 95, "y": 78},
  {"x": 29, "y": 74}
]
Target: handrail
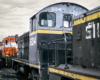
[{"x": 56, "y": 42}]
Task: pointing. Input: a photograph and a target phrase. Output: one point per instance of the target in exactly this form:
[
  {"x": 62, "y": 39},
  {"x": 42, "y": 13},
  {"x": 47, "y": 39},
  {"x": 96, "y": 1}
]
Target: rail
[{"x": 56, "y": 42}]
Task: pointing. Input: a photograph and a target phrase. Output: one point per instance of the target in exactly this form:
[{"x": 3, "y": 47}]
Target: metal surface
[
  {"x": 23, "y": 46},
  {"x": 40, "y": 36},
  {"x": 76, "y": 72},
  {"x": 87, "y": 48}
]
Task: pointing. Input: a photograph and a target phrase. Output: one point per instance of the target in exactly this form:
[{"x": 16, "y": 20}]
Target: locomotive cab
[
  {"x": 47, "y": 27},
  {"x": 52, "y": 23}
]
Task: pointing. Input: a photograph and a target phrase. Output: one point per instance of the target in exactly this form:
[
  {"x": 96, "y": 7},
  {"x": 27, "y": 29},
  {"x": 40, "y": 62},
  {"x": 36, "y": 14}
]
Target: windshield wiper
[{"x": 50, "y": 14}]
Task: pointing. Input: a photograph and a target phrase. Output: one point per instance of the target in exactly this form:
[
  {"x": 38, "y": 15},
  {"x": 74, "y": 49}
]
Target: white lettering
[
  {"x": 32, "y": 41},
  {"x": 56, "y": 9},
  {"x": 93, "y": 30},
  {"x": 88, "y": 31},
  {"x": 98, "y": 30}
]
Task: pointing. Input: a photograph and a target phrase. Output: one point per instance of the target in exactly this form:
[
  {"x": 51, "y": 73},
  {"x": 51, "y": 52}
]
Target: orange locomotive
[
  {"x": 0, "y": 49},
  {"x": 9, "y": 49},
  {"x": 0, "y": 54}
]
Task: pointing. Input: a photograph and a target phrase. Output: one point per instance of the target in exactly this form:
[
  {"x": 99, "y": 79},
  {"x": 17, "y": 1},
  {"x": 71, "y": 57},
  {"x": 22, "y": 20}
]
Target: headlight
[{"x": 17, "y": 54}]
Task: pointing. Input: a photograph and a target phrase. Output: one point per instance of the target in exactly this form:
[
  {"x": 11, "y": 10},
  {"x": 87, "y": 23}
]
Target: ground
[{"x": 9, "y": 74}]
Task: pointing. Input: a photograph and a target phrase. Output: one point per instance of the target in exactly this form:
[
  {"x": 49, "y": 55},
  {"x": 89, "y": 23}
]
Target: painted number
[
  {"x": 93, "y": 30},
  {"x": 32, "y": 41},
  {"x": 98, "y": 30},
  {"x": 56, "y": 9},
  {"x": 89, "y": 30}
]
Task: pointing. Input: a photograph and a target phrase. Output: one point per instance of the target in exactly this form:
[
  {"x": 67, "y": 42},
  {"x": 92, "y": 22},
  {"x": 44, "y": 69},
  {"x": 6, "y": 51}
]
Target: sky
[{"x": 15, "y": 14}]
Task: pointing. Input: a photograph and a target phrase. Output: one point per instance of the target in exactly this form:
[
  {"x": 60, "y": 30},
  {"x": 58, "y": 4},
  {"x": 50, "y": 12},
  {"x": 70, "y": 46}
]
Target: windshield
[
  {"x": 12, "y": 39},
  {"x": 13, "y": 44},
  {"x": 47, "y": 19}
]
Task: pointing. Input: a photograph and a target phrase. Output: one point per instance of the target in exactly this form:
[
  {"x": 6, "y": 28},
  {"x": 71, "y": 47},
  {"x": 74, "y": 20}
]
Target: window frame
[
  {"x": 6, "y": 41},
  {"x": 63, "y": 20},
  {"x": 47, "y": 26},
  {"x": 32, "y": 28}
]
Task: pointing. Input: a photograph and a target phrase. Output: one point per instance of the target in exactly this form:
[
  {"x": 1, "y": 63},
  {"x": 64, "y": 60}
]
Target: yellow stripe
[
  {"x": 49, "y": 32},
  {"x": 32, "y": 33},
  {"x": 20, "y": 41},
  {"x": 53, "y": 32},
  {"x": 87, "y": 18},
  {"x": 34, "y": 65},
  {"x": 72, "y": 75}
]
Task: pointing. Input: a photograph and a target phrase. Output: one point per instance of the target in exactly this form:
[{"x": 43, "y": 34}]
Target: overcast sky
[{"x": 15, "y": 14}]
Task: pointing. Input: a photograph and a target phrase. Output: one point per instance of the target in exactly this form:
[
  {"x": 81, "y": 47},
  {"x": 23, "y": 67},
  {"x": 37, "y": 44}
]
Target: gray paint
[
  {"x": 33, "y": 50},
  {"x": 66, "y": 8},
  {"x": 62, "y": 8},
  {"x": 87, "y": 13},
  {"x": 71, "y": 9}
]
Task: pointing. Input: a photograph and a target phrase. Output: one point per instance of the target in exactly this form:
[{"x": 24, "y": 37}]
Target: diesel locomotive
[
  {"x": 0, "y": 54},
  {"x": 8, "y": 49},
  {"x": 48, "y": 44}
]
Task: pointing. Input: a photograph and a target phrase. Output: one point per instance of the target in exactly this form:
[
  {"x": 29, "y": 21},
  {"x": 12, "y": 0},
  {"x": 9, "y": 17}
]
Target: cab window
[
  {"x": 33, "y": 24},
  {"x": 47, "y": 19},
  {"x": 6, "y": 42},
  {"x": 12, "y": 39},
  {"x": 67, "y": 21}
]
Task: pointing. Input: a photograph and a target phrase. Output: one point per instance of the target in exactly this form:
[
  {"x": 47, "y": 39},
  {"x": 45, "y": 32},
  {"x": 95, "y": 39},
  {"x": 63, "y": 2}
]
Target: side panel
[
  {"x": 23, "y": 46},
  {"x": 33, "y": 48},
  {"x": 47, "y": 38},
  {"x": 86, "y": 50}
]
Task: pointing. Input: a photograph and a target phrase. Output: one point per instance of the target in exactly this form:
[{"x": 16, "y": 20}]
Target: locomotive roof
[
  {"x": 60, "y": 3},
  {"x": 7, "y": 37},
  {"x": 94, "y": 10}
]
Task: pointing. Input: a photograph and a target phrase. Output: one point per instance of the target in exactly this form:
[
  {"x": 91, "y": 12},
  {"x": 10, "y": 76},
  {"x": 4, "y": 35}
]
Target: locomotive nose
[{"x": 6, "y": 48}]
